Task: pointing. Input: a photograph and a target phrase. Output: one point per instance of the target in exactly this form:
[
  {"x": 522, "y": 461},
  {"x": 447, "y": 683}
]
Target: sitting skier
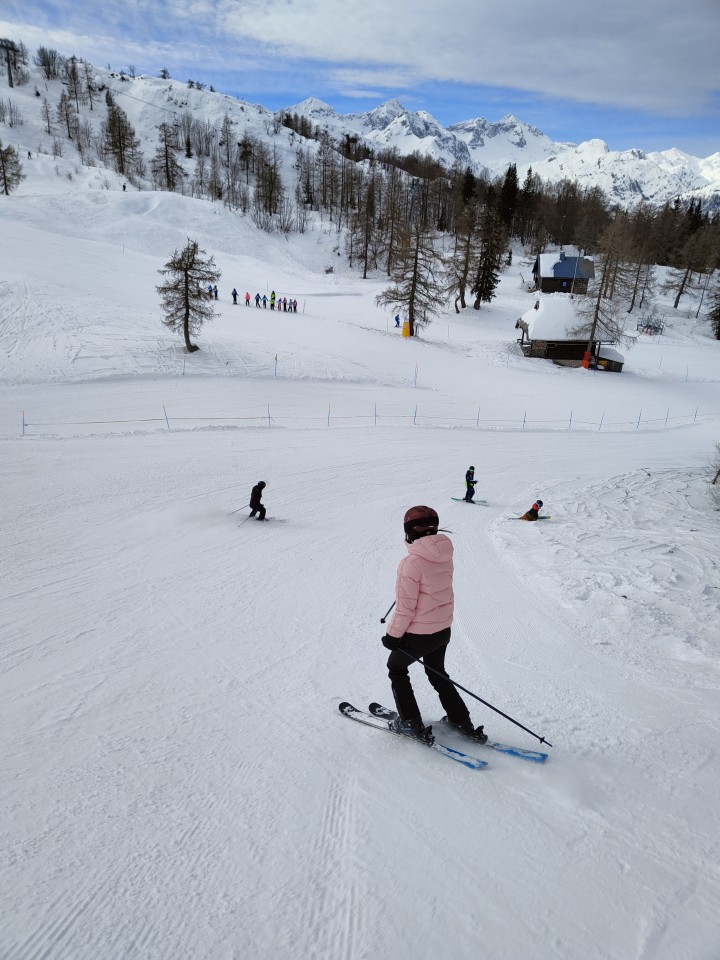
[
  {"x": 532, "y": 513},
  {"x": 421, "y": 625}
]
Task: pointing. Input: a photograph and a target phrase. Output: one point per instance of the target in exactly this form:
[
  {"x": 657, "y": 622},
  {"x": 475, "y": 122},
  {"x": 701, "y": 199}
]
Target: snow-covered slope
[{"x": 177, "y": 781}]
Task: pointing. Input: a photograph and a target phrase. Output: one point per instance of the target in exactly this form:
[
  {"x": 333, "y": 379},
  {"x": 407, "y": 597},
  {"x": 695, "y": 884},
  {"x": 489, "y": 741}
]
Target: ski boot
[
  {"x": 413, "y": 728},
  {"x": 467, "y": 730}
]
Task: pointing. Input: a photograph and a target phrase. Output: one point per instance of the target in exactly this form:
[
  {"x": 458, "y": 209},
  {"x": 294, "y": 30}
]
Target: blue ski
[
  {"x": 534, "y": 756},
  {"x": 381, "y": 724}
]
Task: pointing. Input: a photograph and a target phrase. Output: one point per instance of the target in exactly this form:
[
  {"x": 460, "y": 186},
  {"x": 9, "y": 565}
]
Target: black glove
[{"x": 392, "y": 643}]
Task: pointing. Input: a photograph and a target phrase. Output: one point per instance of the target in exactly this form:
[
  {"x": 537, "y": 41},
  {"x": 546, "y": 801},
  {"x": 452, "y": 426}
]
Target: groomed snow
[{"x": 177, "y": 780}]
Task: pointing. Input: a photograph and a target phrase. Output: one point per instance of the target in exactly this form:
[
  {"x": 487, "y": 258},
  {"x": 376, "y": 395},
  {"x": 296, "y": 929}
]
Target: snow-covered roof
[
  {"x": 609, "y": 353},
  {"x": 553, "y": 320},
  {"x": 562, "y": 267}
]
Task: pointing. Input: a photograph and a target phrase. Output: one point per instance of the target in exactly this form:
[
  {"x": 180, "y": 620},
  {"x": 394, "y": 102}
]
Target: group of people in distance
[
  {"x": 420, "y": 626},
  {"x": 282, "y": 303}
]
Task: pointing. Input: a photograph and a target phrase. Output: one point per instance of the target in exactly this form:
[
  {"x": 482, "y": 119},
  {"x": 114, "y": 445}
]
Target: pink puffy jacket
[{"x": 423, "y": 590}]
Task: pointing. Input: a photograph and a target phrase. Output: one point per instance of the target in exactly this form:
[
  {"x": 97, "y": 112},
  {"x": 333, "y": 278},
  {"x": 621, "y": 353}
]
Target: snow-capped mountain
[
  {"x": 626, "y": 176},
  {"x": 486, "y": 147}
]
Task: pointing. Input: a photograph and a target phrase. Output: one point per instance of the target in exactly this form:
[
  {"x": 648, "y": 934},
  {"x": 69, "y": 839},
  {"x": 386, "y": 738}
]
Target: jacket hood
[{"x": 436, "y": 549}]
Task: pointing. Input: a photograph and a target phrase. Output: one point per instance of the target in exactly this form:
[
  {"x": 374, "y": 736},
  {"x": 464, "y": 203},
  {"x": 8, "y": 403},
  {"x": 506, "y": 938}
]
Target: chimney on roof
[{"x": 562, "y": 255}]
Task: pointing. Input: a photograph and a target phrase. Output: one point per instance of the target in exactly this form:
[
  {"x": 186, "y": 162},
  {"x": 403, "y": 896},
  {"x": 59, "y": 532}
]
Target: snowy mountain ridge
[
  {"x": 488, "y": 148},
  {"x": 626, "y": 176}
]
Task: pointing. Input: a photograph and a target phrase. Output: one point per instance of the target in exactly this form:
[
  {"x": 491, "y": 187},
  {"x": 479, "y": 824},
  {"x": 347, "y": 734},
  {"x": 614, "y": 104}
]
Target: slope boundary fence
[{"x": 377, "y": 417}]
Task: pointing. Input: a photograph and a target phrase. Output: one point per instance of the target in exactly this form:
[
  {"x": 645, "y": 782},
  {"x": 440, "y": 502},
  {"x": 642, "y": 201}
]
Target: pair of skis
[
  {"x": 544, "y": 517},
  {"x": 381, "y": 718}
]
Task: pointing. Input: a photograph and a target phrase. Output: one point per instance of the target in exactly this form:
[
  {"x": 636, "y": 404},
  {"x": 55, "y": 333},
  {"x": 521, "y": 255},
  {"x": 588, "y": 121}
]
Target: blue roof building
[{"x": 559, "y": 273}]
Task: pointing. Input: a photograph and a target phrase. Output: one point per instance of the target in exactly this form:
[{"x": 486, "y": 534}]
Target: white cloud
[{"x": 657, "y": 55}]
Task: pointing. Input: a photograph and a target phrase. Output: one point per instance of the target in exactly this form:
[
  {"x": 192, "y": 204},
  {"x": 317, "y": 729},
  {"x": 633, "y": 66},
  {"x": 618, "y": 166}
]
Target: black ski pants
[
  {"x": 261, "y": 510},
  {"x": 431, "y": 647}
]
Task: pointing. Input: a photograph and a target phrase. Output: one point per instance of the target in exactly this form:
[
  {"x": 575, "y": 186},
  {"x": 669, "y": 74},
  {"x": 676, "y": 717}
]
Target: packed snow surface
[{"x": 177, "y": 779}]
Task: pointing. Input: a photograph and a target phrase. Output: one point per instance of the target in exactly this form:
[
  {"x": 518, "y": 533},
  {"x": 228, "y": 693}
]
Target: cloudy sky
[{"x": 635, "y": 73}]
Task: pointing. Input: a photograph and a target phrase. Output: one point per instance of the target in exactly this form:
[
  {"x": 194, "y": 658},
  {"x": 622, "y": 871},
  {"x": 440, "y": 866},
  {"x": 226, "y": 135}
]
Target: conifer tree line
[{"x": 383, "y": 205}]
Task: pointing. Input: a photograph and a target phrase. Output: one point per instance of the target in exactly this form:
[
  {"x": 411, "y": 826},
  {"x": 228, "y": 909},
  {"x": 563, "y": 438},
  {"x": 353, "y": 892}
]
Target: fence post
[
  {"x": 183, "y": 373},
  {"x": 166, "y": 417},
  {"x": 524, "y": 418},
  {"x": 695, "y": 417},
  {"x": 268, "y": 406},
  {"x": 275, "y": 364},
  {"x": 601, "y": 421},
  {"x": 328, "y": 414},
  {"x": 416, "y": 373},
  {"x": 23, "y": 415},
  {"x": 415, "y": 415},
  {"x": 570, "y": 424},
  {"x": 639, "y": 416},
  {"x": 375, "y": 414},
  {"x": 667, "y": 415},
  {"x": 477, "y": 422}
]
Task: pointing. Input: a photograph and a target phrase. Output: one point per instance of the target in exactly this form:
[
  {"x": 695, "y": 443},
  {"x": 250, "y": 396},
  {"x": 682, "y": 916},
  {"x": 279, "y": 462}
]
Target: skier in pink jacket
[{"x": 421, "y": 625}]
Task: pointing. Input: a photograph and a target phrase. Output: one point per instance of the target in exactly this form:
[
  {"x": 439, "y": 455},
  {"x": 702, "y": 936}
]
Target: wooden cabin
[
  {"x": 558, "y": 273},
  {"x": 547, "y": 332}
]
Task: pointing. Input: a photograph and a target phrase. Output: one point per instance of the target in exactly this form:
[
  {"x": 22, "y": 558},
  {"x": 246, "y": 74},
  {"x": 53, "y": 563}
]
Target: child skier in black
[{"x": 255, "y": 500}]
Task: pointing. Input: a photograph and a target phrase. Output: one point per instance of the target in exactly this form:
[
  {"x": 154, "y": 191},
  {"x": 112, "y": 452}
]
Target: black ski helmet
[
  {"x": 539, "y": 502},
  {"x": 261, "y": 483},
  {"x": 420, "y": 522}
]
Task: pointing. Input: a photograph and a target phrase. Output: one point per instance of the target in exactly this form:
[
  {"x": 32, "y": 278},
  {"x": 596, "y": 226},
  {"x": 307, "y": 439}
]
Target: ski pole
[
  {"x": 383, "y": 619},
  {"x": 465, "y": 690},
  {"x": 238, "y": 509}
]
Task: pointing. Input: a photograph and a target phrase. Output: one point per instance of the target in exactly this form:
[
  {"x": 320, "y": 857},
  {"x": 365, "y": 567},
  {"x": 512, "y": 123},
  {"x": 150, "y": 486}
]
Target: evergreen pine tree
[
  {"x": 493, "y": 240},
  {"x": 509, "y": 197},
  {"x": 714, "y": 312},
  {"x": 10, "y": 169},
  {"x": 186, "y": 304}
]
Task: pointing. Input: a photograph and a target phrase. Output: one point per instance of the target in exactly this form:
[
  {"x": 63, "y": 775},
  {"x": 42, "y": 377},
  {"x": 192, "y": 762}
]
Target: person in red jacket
[{"x": 424, "y": 605}]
